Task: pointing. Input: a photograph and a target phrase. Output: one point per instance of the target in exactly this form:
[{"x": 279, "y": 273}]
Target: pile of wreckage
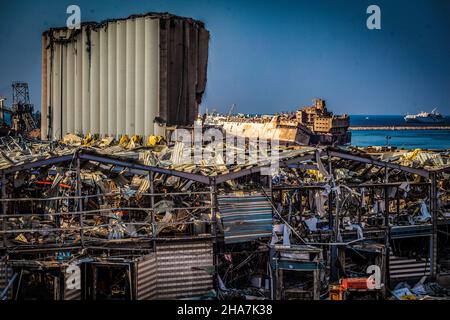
[
  {"x": 88, "y": 218},
  {"x": 422, "y": 290}
]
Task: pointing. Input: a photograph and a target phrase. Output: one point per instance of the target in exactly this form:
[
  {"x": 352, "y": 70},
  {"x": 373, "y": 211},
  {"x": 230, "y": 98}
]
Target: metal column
[
  {"x": 387, "y": 237},
  {"x": 151, "y": 177},
  {"x": 434, "y": 217},
  {"x": 334, "y": 225},
  {"x": 4, "y": 209},
  {"x": 80, "y": 199},
  {"x": 214, "y": 209}
]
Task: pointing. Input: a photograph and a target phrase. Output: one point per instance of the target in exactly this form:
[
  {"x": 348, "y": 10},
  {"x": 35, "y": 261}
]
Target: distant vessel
[{"x": 425, "y": 117}]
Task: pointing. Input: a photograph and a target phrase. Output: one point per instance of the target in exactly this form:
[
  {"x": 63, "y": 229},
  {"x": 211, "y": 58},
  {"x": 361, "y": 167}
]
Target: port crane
[
  {"x": 232, "y": 108},
  {"x": 21, "y": 112}
]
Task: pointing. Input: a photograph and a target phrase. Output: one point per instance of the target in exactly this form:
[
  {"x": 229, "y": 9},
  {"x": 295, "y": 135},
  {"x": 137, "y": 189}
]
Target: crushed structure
[{"x": 86, "y": 218}]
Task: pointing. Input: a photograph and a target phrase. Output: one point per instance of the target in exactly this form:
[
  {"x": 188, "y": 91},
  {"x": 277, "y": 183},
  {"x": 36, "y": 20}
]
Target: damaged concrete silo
[{"x": 115, "y": 77}]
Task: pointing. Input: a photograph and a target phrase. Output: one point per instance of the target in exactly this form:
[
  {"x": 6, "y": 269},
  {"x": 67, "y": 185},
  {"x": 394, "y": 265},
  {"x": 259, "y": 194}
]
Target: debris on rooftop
[{"x": 310, "y": 230}]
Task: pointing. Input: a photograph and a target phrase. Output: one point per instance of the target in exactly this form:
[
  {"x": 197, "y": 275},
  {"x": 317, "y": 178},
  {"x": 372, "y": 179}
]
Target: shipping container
[{"x": 116, "y": 77}]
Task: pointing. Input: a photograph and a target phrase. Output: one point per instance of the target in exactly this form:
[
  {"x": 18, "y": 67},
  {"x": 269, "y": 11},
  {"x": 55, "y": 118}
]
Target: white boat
[{"x": 425, "y": 117}]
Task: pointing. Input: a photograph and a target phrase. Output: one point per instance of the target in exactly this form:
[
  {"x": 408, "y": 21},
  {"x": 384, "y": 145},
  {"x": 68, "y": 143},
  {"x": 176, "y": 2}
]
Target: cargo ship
[
  {"x": 425, "y": 117},
  {"x": 311, "y": 125}
]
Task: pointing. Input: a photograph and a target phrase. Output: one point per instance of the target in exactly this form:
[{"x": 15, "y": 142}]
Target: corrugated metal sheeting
[
  {"x": 115, "y": 77},
  {"x": 245, "y": 217},
  {"x": 177, "y": 270},
  {"x": 146, "y": 275},
  {"x": 401, "y": 268},
  {"x": 71, "y": 294},
  {"x": 184, "y": 269}
]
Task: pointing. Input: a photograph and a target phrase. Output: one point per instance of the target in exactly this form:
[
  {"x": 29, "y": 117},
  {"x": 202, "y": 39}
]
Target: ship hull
[{"x": 423, "y": 120}]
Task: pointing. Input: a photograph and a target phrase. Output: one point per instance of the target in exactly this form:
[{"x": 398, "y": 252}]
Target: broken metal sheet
[{"x": 246, "y": 217}]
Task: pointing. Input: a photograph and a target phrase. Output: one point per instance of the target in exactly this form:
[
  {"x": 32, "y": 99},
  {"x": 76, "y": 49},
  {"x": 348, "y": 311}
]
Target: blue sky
[{"x": 272, "y": 56}]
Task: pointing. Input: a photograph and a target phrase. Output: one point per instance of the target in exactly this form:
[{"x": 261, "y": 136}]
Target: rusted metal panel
[
  {"x": 146, "y": 278},
  {"x": 184, "y": 269}
]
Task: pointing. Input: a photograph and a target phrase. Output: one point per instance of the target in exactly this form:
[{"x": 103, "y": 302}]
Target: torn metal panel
[{"x": 245, "y": 217}]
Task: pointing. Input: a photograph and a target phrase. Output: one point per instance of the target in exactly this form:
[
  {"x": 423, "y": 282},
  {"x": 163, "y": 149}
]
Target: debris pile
[
  {"x": 422, "y": 290},
  {"x": 315, "y": 228}
]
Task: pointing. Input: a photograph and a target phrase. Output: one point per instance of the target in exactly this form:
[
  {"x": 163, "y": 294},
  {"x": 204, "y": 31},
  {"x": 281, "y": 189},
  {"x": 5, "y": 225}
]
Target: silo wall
[{"x": 114, "y": 78}]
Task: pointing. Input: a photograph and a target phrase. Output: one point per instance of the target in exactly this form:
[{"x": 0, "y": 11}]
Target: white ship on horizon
[{"x": 425, "y": 117}]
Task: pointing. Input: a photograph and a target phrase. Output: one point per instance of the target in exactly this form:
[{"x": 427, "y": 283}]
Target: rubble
[
  {"x": 422, "y": 290},
  {"x": 334, "y": 212}
]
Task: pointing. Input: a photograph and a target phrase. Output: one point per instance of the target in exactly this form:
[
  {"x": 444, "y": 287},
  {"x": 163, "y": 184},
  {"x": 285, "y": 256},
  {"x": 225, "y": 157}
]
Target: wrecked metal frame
[
  {"x": 430, "y": 175},
  {"x": 80, "y": 155},
  {"x": 214, "y": 181}
]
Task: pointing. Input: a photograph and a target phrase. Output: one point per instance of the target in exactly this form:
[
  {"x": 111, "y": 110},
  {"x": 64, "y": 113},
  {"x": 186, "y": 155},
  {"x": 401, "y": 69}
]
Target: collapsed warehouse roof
[
  {"x": 79, "y": 194},
  {"x": 20, "y": 154}
]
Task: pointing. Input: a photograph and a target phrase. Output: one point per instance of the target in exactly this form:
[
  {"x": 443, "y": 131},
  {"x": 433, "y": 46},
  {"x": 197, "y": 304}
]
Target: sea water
[{"x": 408, "y": 139}]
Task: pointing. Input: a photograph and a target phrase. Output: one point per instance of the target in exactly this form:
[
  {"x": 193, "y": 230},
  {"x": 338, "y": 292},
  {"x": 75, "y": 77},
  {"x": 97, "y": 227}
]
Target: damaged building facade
[{"x": 329, "y": 128}]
